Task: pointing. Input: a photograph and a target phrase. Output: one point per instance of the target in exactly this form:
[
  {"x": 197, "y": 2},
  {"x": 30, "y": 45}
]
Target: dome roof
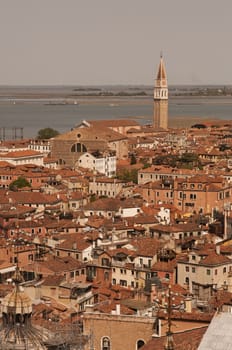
[{"x": 17, "y": 302}]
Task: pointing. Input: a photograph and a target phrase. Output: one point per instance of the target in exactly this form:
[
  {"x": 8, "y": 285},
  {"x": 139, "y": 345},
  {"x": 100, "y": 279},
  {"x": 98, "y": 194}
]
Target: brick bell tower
[{"x": 160, "y": 119}]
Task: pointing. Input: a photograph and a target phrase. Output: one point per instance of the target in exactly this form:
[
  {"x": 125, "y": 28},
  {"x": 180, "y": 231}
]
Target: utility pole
[
  {"x": 168, "y": 307},
  {"x": 169, "y": 342}
]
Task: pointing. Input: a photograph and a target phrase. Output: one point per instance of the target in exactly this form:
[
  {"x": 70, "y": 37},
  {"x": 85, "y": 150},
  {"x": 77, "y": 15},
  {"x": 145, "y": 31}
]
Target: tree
[
  {"x": 19, "y": 183},
  {"x": 47, "y": 133},
  {"x": 128, "y": 175},
  {"x": 133, "y": 159},
  {"x": 199, "y": 126},
  {"x": 190, "y": 161}
]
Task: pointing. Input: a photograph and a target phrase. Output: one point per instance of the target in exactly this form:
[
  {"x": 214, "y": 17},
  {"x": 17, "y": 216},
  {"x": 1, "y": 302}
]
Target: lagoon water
[{"x": 36, "y": 114}]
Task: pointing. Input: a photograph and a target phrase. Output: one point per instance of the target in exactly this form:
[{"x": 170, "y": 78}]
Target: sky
[{"x": 111, "y": 42}]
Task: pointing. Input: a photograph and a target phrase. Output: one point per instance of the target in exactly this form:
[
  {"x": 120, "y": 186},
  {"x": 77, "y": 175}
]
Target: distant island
[{"x": 61, "y": 94}]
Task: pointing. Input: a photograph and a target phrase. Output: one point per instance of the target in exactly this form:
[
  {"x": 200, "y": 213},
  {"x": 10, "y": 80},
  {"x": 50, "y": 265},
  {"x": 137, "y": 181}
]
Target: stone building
[
  {"x": 118, "y": 331},
  {"x": 68, "y": 147}
]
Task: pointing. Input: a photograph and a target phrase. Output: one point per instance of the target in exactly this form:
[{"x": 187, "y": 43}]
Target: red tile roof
[{"x": 187, "y": 339}]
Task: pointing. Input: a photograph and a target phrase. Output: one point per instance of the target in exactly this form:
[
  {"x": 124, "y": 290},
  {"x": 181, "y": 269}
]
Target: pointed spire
[{"x": 161, "y": 75}]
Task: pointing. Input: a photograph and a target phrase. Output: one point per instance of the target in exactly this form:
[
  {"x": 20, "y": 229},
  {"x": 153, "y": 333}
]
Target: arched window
[
  {"x": 106, "y": 276},
  {"x": 78, "y": 147},
  {"x": 61, "y": 162},
  {"x": 140, "y": 343},
  {"x": 105, "y": 343}
]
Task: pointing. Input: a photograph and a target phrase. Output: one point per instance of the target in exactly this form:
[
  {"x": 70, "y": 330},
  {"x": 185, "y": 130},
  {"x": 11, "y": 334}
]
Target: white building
[
  {"x": 42, "y": 146},
  {"x": 102, "y": 163},
  {"x": 23, "y": 157}
]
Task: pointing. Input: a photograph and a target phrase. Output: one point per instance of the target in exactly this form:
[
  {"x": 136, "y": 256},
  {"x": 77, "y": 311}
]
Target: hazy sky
[{"x": 115, "y": 41}]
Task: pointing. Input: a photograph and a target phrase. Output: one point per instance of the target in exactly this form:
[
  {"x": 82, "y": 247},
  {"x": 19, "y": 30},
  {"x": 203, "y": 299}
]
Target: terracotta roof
[
  {"x": 214, "y": 259},
  {"x": 164, "y": 266},
  {"x": 53, "y": 280},
  {"x": 187, "y": 339},
  {"x": 27, "y": 198},
  {"x": 146, "y": 246},
  {"x": 19, "y": 154},
  {"x": 113, "y": 122},
  {"x": 74, "y": 241},
  {"x": 96, "y": 134},
  {"x": 110, "y": 306}
]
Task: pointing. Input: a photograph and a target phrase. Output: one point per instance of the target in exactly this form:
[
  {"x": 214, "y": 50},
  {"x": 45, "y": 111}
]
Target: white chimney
[
  {"x": 118, "y": 309},
  {"x": 218, "y": 250}
]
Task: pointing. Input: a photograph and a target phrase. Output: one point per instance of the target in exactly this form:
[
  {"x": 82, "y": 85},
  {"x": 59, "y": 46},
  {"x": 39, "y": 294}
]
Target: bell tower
[{"x": 160, "y": 119}]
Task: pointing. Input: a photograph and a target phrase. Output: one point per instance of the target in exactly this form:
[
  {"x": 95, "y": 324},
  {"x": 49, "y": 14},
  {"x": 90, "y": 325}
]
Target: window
[
  {"x": 215, "y": 272},
  {"x": 106, "y": 276},
  {"x": 123, "y": 283},
  {"x": 187, "y": 280},
  {"x": 140, "y": 343},
  {"x": 224, "y": 269},
  {"x": 193, "y": 269},
  {"x": 78, "y": 147},
  {"x": 220, "y": 195},
  {"x": 105, "y": 343},
  {"x": 187, "y": 268},
  {"x": 30, "y": 257},
  {"x": 105, "y": 262},
  {"x": 208, "y": 272}
]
